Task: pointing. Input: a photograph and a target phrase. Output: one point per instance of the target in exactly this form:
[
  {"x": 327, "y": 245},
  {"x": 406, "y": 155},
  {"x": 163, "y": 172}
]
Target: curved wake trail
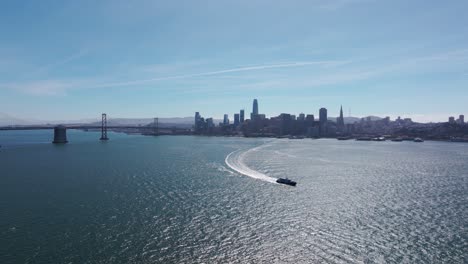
[{"x": 235, "y": 160}]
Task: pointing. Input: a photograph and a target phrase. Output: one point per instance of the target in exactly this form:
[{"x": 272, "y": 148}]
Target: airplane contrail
[{"x": 239, "y": 69}]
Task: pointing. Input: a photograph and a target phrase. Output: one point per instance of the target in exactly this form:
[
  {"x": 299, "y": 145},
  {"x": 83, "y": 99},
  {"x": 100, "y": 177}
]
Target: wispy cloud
[
  {"x": 225, "y": 71},
  {"x": 356, "y": 71},
  {"x": 337, "y": 4},
  {"x": 325, "y": 73},
  {"x": 61, "y": 62},
  {"x": 43, "y": 87},
  {"x": 60, "y": 87},
  {"x": 46, "y": 87}
]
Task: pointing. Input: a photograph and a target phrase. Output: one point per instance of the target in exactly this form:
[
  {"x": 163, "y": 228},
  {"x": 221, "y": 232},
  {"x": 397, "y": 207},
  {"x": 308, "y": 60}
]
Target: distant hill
[
  {"x": 163, "y": 122},
  {"x": 352, "y": 120}
]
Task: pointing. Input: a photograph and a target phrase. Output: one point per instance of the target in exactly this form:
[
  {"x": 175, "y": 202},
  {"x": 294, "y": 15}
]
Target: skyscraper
[
  {"x": 226, "y": 119},
  {"x": 197, "y": 117},
  {"x": 236, "y": 119},
  {"x": 461, "y": 119},
  {"x": 340, "y": 120},
  {"x": 241, "y": 116},
  {"x": 323, "y": 122},
  {"x": 301, "y": 117},
  {"x": 254, "y": 109},
  {"x": 323, "y": 115},
  {"x": 286, "y": 124},
  {"x": 209, "y": 122},
  {"x": 310, "y": 118}
]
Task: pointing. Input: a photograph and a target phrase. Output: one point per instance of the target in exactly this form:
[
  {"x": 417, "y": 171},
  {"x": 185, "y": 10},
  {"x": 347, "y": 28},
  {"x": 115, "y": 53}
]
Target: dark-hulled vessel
[{"x": 286, "y": 181}]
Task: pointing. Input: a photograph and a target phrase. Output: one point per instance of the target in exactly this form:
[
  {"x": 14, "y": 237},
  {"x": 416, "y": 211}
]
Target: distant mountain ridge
[
  {"x": 8, "y": 120},
  {"x": 181, "y": 122}
]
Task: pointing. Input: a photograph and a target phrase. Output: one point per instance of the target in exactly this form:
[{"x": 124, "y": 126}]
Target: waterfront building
[
  {"x": 309, "y": 122},
  {"x": 198, "y": 122},
  {"x": 461, "y": 119},
  {"x": 210, "y": 123},
  {"x": 236, "y": 119},
  {"x": 241, "y": 116},
  {"x": 301, "y": 117},
  {"x": 313, "y": 132},
  {"x": 452, "y": 120},
  {"x": 197, "y": 117},
  {"x": 226, "y": 119},
  {"x": 323, "y": 115},
  {"x": 286, "y": 122},
  {"x": 323, "y": 119}
]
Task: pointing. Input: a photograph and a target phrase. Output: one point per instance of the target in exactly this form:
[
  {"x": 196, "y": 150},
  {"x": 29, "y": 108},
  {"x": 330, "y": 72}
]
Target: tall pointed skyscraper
[
  {"x": 341, "y": 114},
  {"x": 254, "y": 110},
  {"x": 340, "y": 120}
]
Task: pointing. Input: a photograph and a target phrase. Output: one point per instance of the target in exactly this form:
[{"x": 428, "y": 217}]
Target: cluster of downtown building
[
  {"x": 289, "y": 125},
  {"x": 283, "y": 125}
]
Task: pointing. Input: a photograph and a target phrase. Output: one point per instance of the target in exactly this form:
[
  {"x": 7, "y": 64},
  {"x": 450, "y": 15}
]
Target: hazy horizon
[{"x": 5, "y": 118}]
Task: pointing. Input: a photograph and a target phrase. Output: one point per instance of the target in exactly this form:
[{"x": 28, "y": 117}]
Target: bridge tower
[
  {"x": 104, "y": 127},
  {"x": 60, "y": 135},
  {"x": 156, "y": 125}
]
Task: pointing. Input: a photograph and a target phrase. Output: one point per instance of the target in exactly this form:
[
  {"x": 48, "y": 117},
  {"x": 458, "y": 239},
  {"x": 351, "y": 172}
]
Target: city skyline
[
  {"x": 222, "y": 116},
  {"x": 292, "y": 126},
  {"x": 72, "y": 61}
]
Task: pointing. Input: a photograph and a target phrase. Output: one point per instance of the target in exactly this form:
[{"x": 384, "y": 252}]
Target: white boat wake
[{"x": 235, "y": 161}]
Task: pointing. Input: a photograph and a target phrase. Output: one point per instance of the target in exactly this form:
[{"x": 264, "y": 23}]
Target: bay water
[{"x": 193, "y": 199}]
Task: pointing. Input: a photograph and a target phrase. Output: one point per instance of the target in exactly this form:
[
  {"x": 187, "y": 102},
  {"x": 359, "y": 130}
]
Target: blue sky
[{"x": 76, "y": 59}]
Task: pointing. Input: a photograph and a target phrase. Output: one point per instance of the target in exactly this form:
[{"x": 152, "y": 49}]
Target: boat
[
  {"x": 296, "y": 137},
  {"x": 343, "y": 138},
  {"x": 363, "y": 139},
  {"x": 286, "y": 181},
  {"x": 418, "y": 140}
]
